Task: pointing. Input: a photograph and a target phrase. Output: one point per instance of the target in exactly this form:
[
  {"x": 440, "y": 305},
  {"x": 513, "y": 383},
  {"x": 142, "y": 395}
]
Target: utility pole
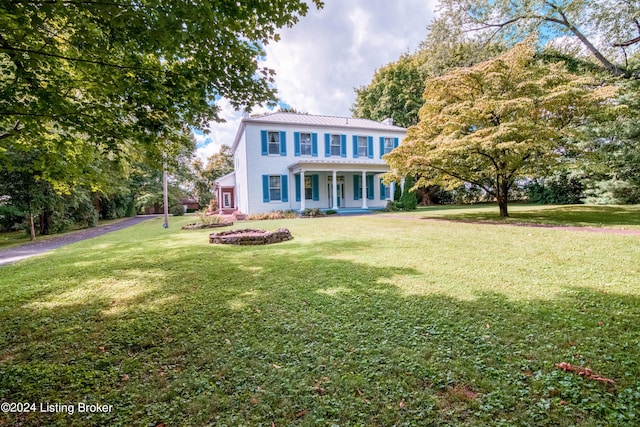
[{"x": 165, "y": 196}]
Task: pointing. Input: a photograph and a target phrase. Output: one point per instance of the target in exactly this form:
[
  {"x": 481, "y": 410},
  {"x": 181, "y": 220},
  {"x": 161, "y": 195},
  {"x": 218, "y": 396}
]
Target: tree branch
[
  {"x": 8, "y": 133},
  {"x": 53, "y": 55},
  {"x": 461, "y": 178},
  {"x": 628, "y": 42}
]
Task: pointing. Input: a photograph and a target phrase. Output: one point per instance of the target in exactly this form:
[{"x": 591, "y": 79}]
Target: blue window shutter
[
  {"x": 263, "y": 140},
  {"x": 396, "y": 142},
  {"x": 283, "y": 143},
  {"x": 355, "y": 146},
  {"x": 284, "y": 187},
  {"x": 327, "y": 145},
  {"x": 297, "y": 181},
  {"x": 381, "y": 146},
  {"x": 370, "y": 187},
  {"x": 265, "y": 188},
  {"x": 314, "y": 144},
  {"x": 296, "y": 143},
  {"x": 356, "y": 187},
  {"x": 370, "y": 147},
  {"x": 315, "y": 187},
  {"x": 383, "y": 190},
  {"x": 343, "y": 145}
]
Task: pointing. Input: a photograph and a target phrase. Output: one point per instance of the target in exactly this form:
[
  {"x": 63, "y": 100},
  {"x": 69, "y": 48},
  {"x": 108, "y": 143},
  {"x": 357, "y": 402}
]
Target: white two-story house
[{"x": 297, "y": 161}]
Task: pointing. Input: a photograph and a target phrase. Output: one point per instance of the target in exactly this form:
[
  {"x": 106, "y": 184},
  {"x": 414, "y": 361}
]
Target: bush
[
  {"x": 11, "y": 218},
  {"x": 312, "y": 212},
  {"x": 176, "y": 210},
  {"x": 408, "y": 200},
  {"x": 562, "y": 188},
  {"x": 273, "y": 215},
  {"x": 207, "y": 219}
]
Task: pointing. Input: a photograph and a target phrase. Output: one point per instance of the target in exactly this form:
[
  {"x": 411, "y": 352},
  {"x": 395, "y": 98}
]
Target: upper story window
[
  {"x": 363, "y": 144},
  {"x": 387, "y": 145},
  {"x": 305, "y": 144},
  {"x": 274, "y": 142},
  {"x": 335, "y": 145}
]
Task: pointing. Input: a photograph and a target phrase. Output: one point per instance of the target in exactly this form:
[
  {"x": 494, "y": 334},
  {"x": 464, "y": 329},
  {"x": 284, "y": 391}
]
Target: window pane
[
  {"x": 362, "y": 146},
  {"x": 274, "y": 194},
  {"x": 274, "y": 142},
  {"x": 335, "y": 145},
  {"x": 388, "y": 145},
  {"x": 305, "y": 144},
  {"x": 308, "y": 190}
]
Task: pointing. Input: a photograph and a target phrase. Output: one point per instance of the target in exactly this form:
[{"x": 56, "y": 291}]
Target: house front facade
[{"x": 295, "y": 161}]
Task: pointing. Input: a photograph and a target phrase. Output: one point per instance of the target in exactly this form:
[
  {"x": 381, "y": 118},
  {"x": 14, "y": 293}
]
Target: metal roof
[
  {"x": 312, "y": 120},
  {"x": 328, "y": 121}
]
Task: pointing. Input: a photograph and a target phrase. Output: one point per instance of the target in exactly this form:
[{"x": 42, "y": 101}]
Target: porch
[{"x": 346, "y": 187}]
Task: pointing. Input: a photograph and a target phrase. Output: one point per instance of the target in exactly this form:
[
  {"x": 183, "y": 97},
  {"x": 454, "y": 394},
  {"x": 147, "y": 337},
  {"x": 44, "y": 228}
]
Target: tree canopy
[
  {"x": 503, "y": 119},
  {"x": 84, "y": 79},
  {"x": 608, "y": 29}
]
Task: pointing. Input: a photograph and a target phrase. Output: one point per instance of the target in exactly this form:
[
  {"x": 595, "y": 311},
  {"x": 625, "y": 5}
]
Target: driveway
[{"x": 11, "y": 255}]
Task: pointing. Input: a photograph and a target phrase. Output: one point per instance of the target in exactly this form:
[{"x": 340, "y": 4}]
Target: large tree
[
  {"x": 128, "y": 75},
  {"x": 504, "y": 119},
  {"x": 608, "y": 29}
]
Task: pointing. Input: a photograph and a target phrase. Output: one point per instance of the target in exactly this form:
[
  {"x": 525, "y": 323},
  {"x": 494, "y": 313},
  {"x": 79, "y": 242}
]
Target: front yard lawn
[{"x": 370, "y": 320}]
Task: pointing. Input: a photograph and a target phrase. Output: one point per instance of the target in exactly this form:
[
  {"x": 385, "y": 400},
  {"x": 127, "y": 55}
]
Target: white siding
[{"x": 251, "y": 165}]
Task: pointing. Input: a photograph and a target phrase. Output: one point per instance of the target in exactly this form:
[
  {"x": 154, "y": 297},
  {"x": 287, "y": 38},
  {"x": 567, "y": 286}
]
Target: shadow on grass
[
  {"x": 291, "y": 336},
  {"x": 573, "y": 215}
]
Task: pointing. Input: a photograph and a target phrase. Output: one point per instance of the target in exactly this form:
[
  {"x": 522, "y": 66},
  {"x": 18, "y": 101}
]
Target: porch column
[
  {"x": 364, "y": 190},
  {"x": 335, "y": 191},
  {"x": 302, "y": 192},
  {"x": 392, "y": 191}
]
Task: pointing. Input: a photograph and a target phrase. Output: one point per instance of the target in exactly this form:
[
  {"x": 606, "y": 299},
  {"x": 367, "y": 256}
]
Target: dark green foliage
[
  {"x": 560, "y": 189},
  {"x": 176, "y": 210},
  {"x": 408, "y": 200},
  {"x": 11, "y": 217}
]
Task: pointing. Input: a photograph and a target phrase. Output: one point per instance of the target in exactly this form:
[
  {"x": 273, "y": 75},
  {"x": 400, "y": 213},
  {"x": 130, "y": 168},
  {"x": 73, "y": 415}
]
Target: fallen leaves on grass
[{"x": 583, "y": 372}]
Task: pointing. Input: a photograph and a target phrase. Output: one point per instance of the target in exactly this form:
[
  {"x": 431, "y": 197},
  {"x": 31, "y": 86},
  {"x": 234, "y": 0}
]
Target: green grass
[
  {"x": 17, "y": 238},
  {"x": 574, "y": 215},
  {"x": 356, "y": 321}
]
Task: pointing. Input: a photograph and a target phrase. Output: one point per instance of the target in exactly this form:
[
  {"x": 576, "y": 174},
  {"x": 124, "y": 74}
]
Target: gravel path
[{"x": 11, "y": 255}]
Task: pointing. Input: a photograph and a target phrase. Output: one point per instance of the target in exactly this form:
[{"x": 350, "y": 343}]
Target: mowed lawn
[{"x": 371, "y": 321}]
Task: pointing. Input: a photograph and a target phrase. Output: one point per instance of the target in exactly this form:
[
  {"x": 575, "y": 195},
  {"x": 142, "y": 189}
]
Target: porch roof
[{"x": 352, "y": 165}]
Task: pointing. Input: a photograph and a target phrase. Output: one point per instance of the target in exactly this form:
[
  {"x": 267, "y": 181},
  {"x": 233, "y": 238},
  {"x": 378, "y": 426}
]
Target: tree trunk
[
  {"x": 502, "y": 204},
  {"x": 32, "y": 227},
  {"x": 44, "y": 222},
  {"x": 503, "y": 197}
]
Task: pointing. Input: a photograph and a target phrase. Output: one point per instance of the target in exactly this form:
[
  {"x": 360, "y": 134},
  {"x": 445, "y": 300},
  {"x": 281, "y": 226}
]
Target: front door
[
  {"x": 226, "y": 200},
  {"x": 340, "y": 188}
]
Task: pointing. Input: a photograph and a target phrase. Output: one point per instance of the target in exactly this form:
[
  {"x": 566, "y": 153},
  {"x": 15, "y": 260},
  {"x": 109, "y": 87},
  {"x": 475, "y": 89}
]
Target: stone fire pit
[{"x": 250, "y": 236}]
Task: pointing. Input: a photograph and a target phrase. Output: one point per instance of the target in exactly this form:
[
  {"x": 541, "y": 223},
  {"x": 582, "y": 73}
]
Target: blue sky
[{"x": 330, "y": 52}]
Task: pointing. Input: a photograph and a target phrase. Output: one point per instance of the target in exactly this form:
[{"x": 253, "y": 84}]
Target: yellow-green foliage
[{"x": 498, "y": 121}]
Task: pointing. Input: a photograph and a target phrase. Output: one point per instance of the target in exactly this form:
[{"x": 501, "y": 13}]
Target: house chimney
[{"x": 387, "y": 121}]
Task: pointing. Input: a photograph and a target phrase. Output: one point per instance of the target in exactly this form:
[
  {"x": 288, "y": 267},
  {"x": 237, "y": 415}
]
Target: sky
[{"x": 328, "y": 53}]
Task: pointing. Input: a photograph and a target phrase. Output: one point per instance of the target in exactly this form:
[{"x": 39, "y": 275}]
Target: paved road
[{"x": 8, "y": 256}]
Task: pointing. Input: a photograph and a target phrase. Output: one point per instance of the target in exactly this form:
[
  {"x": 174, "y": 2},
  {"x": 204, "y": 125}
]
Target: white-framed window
[
  {"x": 273, "y": 140},
  {"x": 305, "y": 144},
  {"x": 275, "y": 192},
  {"x": 335, "y": 145},
  {"x": 308, "y": 188},
  {"x": 363, "y": 146},
  {"x": 388, "y": 145}
]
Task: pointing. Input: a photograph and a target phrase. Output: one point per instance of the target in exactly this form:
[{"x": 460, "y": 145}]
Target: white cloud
[{"x": 331, "y": 51}]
